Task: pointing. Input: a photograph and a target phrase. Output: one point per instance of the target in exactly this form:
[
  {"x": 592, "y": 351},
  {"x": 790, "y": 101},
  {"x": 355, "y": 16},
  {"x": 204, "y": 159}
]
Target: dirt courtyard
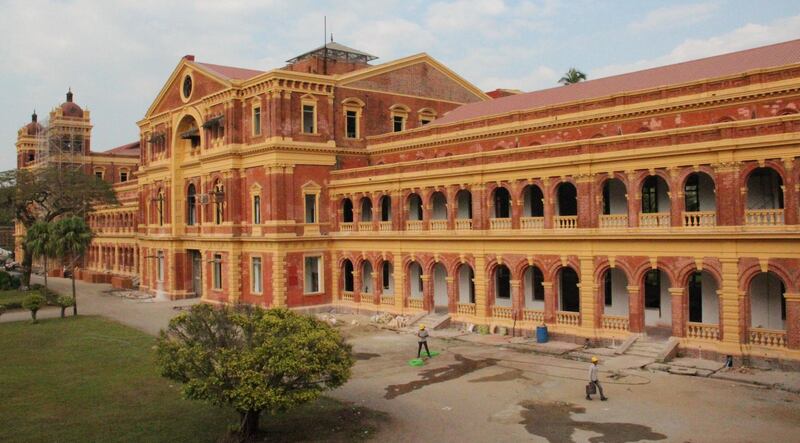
[{"x": 476, "y": 392}]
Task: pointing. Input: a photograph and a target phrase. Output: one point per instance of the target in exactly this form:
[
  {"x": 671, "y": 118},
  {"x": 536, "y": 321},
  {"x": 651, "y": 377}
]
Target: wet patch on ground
[
  {"x": 553, "y": 421},
  {"x": 364, "y": 355},
  {"x": 460, "y": 368}
]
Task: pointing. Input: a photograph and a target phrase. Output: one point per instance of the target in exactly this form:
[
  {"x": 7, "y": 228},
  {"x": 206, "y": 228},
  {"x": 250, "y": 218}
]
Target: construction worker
[
  {"x": 594, "y": 381},
  {"x": 423, "y": 340}
]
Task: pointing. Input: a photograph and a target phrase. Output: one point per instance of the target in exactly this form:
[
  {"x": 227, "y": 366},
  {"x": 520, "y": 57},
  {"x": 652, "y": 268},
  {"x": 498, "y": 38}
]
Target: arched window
[
  {"x": 414, "y": 207},
  {"x": 386, "y": 208},
  {"x": 533, "y": 202},
  {"x": 567, "y": 203},
  {"x": 160, "y": 207},
  {"x": 502, "y": 286},
  {"x": 568, "y": 289},
  {"x": 502, "y": 203},
  {"x": 219, "y": 202},
  {"x": 347, "y": 210},
  {"x": 347, "y": 275},
  {"x": 366, "y": 209}
]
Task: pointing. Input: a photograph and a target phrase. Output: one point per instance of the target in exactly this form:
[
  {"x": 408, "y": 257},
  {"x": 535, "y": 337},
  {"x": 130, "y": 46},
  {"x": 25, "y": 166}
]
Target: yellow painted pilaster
[
  {"x": 399, "y": 281},
  {"x": 481, "y": 300},
  {"x": 278, "y": 279},
  {"x": 731, "y": 300},
  {"x": 587, "y": 291}
]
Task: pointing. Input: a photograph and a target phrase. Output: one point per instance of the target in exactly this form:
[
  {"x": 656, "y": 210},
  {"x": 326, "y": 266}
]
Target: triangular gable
[
  {"x": 204, "y": 82},
  {"x": 429, "y": 79}
]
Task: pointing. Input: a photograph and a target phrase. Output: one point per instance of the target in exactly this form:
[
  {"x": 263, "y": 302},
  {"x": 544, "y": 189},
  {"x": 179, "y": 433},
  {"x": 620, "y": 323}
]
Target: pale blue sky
[{"x": 116, "y": 55}]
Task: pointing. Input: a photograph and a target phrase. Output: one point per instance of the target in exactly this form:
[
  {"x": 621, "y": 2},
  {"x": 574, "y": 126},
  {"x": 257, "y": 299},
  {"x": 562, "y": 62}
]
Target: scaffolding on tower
[{"x": 60, "y": 145}]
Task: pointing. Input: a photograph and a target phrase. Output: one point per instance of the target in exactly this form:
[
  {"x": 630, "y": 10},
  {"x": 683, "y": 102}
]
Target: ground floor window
[
  {"x": 160, "y": 266},
  {"x": 217, "y": 271},
  {"x": 313, "y": 270}
]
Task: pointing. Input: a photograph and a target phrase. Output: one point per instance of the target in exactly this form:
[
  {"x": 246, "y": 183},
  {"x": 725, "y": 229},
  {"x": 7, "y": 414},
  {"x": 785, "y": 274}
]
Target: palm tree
[
  {"x": 40, "y": 241},
  {"x": 572, "y": 76},
  {"x": 73, "y": 237}
]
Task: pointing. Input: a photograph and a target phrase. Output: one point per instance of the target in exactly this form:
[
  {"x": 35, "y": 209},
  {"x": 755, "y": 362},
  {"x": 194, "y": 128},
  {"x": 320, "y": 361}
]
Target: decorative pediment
[{"x": 173, "y": 95}]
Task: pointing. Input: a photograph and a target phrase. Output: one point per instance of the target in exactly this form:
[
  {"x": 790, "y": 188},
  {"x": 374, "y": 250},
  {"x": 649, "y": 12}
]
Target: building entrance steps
[
  {"x": 432, "y": 321},
  {"x": 657, "y": 348}
]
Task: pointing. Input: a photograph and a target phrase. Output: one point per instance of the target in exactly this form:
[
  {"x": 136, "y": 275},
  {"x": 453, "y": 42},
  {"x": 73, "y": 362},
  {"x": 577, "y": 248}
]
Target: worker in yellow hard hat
[
  {"x": 422, "y": 336},
  {"x": 594, "y": 383}
]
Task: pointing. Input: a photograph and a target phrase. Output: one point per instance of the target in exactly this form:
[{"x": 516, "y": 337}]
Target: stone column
[
  {"x": 116, "y": 258},
  {"x": 790, "y": 194},
  {"x": 451, "y": 207},
  {"x": 634, "y": 196},
  {"x": 550, "y": 302},
  {"x": 377, "y": 287},
  {"x": 517, "y": 303},
  {"x": 357, "y": 285},
  {"x": 427, "y": 292},
  {"x": 729, "y": 197},
  {"x": 733, "y": 323},
  {"x": 635, "y": 308},
  {"x": 678, "y": 296},
  {"x": 480, "y": 218},
  {"x": 549, "y": 207},
  {"x": 588, "y": 299},
  {"x": 400, "y": 290},
  {"x": 452, "y": 295},
  {"x": 676, "y": 201},
  {"x": 335, "y": 293},
  {"x": 792, "y": 320},
  {"x": 587, "y": 215},
  {"x": 278, "y": 279},
  {"x": 481, "y": 299}
]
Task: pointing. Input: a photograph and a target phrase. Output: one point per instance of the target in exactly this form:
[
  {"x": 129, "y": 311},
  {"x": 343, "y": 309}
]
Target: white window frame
[
  {"x": 256, "y": 278},
  {"x": 320, "y": 274},
  {"x": 216, "y": 272}
]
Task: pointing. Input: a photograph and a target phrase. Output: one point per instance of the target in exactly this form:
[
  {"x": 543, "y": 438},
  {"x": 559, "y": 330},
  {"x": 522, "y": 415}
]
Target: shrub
[
  {"x": 33, "y": 303},
  {"x": 5, "y": 281},
  {"x": 2, "y": 310},
  {"x": 64, "y": 302}
]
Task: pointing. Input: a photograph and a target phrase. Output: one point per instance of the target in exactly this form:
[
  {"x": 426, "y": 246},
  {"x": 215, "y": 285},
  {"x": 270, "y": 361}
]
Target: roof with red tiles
[
  {"x": 780, "y": 54},
  {"x": 230, "y": 72},
  {"x": 130, "y": 149}
]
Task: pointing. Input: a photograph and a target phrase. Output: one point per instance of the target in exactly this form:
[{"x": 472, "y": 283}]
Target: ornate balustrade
[
  {"x": 764, "y": 217},
  {"x": 568, "y": 318},
  {"x": 702, "y": 331},
  {"x": 501, "y": 312},
  {"x": 654, "y": 220},
  {"x": 499, "y": 223},
  {"x": 614, "y": 221},
  {"x": 367, "y": 298},
  {"x": 532, "y": 223},
  {"x": 346, "y": 227},
  {"x": 365, "y": 226},
  {"x": 768, "y": 337},
  {"x": 533, "y": 315},
  {"x": 414, "y": 225},
  {"x": 615, "y": 322},
  {"x": 347, "y": 296},
  {"x": 387, "y": 299},
  {"x": 463, "y": 224},
  {"x": 438, "y": 225},
  {"x": 466, "y": 309},
  {"x": 699, "y": 219},
  {"x": 385, "y": 226},
  {"x": 415, "y": 303},
  {"x": 565, "y": 221}
]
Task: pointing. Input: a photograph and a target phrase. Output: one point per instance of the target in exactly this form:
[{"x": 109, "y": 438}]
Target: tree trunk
[
  {"x": 27, "y": 262},
  {"x": 45, "y": 276},
  {"x": 63, "y": 310},
  {"x": 74, "y": 299},
  {"x": 33, "y": 315},
  {"x": 249, "y": 425}
]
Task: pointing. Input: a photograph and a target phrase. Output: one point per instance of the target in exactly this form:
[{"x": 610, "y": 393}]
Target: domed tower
[{"x": 28, "y": 142}]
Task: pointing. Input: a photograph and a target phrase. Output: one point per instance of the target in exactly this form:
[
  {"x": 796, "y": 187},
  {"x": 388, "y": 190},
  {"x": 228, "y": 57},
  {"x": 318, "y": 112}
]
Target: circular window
[{"x": 187, "y": 86}]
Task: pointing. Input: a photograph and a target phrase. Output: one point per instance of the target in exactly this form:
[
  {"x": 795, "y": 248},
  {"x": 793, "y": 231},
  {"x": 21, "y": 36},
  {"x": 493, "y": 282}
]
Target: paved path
[{"x": 148, "y": 315}]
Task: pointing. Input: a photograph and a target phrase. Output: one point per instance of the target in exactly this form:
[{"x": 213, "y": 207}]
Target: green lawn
[
  {"x": 87, "y": 379},
  {"x": 12, "y": 298}
]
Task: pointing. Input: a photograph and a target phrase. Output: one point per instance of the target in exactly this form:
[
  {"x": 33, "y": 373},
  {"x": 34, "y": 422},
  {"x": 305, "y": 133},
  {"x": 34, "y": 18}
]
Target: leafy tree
[
  {"x": 33, "y": 303},
  {"x": 252, "y": 359},
  {"x": 73, "y": 237},
  {"x": 48, "y": 193},
  {"x": 572, "y": 76},
  {"x": 39, "y": 241},
  {"x": 64, "y": 302}
]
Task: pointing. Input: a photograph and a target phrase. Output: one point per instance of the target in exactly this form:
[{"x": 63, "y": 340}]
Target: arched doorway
[
  {"x": 348, "y": 282},
  {"x": 440, "y": 300},
  {"x": 502, "y": 286},
  {"x": 415, "y": 284},
  {"x": 387, "y": 278},
  {"x": 366, "y": 209},
  {"x": 657, "y": 300},
  {"x": 347, "y": 210},
  {"x": 655, "y": 203},
  {"x": 367, "y": 283},
  {"x": 533, "y": 288},
  {"x": 566, "y": 206},
  {"x": 502, "y": 203},
  {"x": 569, "y": 298},
  {"x": 466, "y": 284},
  {"x": 615, "y": 204},
  {"x": 615, "y": 293},
  {"x": 767, "y": 302},
  {"x": 764, "y": 197},
  {"x": 700, "y": 201},
  {"x": 703, "y": 299},
  {"x": 386, "y": 208}
]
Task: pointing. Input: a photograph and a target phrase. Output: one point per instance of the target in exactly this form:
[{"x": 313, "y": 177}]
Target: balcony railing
[
  {"x": 347, "y": 296},
  {"x": 438, "y": 225},
  {"x": 463, "y": 224},
  {"x": 365, "y": 226},
  {"x": 367, "y": 298},
  {"x": 387, "y": 299},
  {"x": 501, "y": 312},
  {"x": 346, "y": 227},
  {"x": 414, "y": 225},
  {"x": 500, "y": 223},
  {"x": 565, "y": 221},
  {"x": 702, "y": 331},
  {"x": 614, "y": 221},
  {"x": 533, "y": 315},
  {"x": 385, "y": 226},
  {"x": 764, "y": 217},
  {"x": 768, "y": 337},
  {"x": 699, "y": 219},
  {"x": 654, "y": 220},
  {"x": 466, "y": 309},
  {"x": 568, "y": 318},
  {"x": 532, "y": 223},
  {"x": 415, "y": 303},
  {"x": 616, "y": 322}
]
